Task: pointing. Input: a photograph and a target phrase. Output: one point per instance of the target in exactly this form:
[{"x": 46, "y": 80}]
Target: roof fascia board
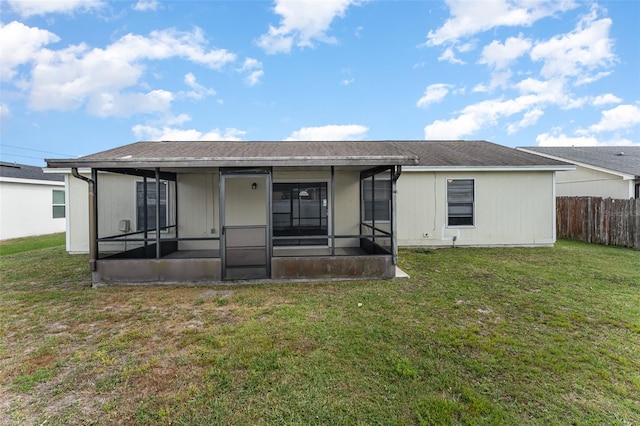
[
  {"x": 32, "y": 181},
  {"x": 488, "y": 168},
  {"x": 624, "y": 176},
  {"x": 63, "y": 171},
  {"x": 237, "y": 162}
]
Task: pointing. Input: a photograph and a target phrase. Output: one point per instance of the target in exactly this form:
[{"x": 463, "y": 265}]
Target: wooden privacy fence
[{"x": 598, "y": 220}]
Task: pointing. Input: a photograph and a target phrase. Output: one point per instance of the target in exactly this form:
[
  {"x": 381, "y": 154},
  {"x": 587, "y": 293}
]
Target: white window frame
[
  {"x": 473, "y": 208},
  {"x": 54, "y": 204}
]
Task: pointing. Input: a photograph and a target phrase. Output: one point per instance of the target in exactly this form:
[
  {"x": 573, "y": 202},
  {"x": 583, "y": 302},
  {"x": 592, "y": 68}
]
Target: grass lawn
[{"x": 475, "y": 336}]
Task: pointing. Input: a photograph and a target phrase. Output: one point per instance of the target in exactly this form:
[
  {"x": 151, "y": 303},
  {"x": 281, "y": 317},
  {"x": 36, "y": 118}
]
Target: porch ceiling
[{"x": 190, "y": 155}]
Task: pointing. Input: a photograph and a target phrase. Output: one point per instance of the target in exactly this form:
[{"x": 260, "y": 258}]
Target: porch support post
[
  {"x": 373, "y": 208},
  {"x": 175, "y": 207},
  {"x": 158, "y": 247},
  {"x": 145, "y": 222},
  {"x": 93, "y": 211},
  {"x": 93, "y": 214},
  {"x": 333, "y": 210},
  {"x": 395, "y": 174}
]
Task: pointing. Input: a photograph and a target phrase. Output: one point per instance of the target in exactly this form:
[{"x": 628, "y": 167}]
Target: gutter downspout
[
  {"x": 93, "y": 237},
  {"x": 394, "y": 220}
]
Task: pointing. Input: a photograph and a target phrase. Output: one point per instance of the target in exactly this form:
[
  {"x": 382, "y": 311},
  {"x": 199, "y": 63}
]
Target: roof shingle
[
  {"x": 301, "y": 153},
  {"x": 621, "y": 159},
  {"x": 23, "y": 171}
]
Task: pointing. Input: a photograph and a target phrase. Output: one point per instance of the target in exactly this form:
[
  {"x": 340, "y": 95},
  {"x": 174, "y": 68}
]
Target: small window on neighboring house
[
  {"x": 377, "y": 205},
  {"x": 152, "y": 202},
  {"x": 637, "y": 190},
  {"x": 460, "y": 200},
  {"x": 58, "y": 204}
]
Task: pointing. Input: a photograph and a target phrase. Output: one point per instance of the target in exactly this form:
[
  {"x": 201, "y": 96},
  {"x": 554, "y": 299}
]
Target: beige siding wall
[
  {"x": 78, "y": 214},
  {"x": 198, "y": 210},
  {"x": 511, "y": 208},
  {"x": 198, "y": 205},
  {"x": 584, "y": 182}
]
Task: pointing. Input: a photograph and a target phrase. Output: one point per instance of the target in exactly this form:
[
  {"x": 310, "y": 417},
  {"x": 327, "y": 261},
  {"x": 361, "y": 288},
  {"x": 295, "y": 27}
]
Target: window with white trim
[
  {"x": 59, "y": 208},
  {"x": 152, "y": 202},
  {"x": 460, "y": 202}
]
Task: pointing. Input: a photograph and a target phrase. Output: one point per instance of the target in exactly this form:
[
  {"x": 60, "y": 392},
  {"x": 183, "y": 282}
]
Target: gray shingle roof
[
  {"x": 473, "y": 154},
  {"x": 621, "y": 159},
  {"x": 279, "y": 153},
  {"x": 23, "y": 171}
]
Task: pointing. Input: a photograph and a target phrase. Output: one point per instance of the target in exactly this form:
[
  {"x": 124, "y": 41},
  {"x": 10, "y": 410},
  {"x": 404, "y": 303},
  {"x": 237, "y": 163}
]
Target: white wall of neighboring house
[
  {"x": 511, "y": 209},
  {"x": 588, "y": 182},
  {"x": 26, "y": 208}
]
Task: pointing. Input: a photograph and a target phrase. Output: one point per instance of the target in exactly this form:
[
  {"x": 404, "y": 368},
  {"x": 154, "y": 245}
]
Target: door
[{"x": 245, "y": 239}]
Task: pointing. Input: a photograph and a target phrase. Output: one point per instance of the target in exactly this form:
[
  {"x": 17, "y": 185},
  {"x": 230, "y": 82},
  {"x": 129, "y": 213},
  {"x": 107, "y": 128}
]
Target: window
[
  {"x": 300, "y": 209},
  {"x": 460, "y": 199},
  {"x": 377, "y": 205},
  {"x": 152, "y": 202},
  {"x": 58, "y": 204}
]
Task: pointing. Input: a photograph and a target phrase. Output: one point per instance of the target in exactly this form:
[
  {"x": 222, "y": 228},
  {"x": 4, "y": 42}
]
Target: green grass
[
  {"x": 19, "y": 245},
  {"x": 475, "y": 336}
]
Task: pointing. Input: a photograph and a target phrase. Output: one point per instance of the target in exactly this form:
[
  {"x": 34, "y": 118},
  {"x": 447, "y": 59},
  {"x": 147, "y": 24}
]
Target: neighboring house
[
  {"x": 607, "y": 172},
  {"x": 299, "y": 210},
  {"x": 31, "y": 202}
]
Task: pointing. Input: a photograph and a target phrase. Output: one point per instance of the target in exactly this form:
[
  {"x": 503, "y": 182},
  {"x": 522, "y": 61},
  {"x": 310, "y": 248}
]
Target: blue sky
[{"x": 82, "y": 76}]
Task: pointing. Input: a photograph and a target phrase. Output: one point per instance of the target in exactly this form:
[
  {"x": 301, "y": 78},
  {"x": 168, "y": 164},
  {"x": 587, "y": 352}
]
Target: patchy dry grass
[{"x": 476, "y": 336}]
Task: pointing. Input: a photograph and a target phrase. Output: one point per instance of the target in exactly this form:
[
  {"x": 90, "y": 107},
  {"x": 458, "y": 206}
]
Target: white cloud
[
  {"x": 529, "y": 119},
  {"x": 146, "y": 5},
  {"x": 499, "y": 55},
  {"x": 608, "y": 98},
  {"x": 433, "y": 94},
  {"x": 27, "y": 8},
  {"x": 476, "y": 116},
  {"x": 347, "y": 81},
  {"x": 198, "y": 90},
  {"x": 586, "y": 48},
  {"x": 302, "y": 22},
  {"x": 473, "y": 17},
  {"x": 618, "y": 118},
  {"x": 449, "y": 56},
  {"x": 128, "y": 104},
  {"x": 166, "y": 133},
  {"x": 254, "y": 71},
  {"x": 498, "y": 79},
  {"x": 19, "y": 45},
  {"x": 558, "y": 139},
  {"x": 5, "y": 113},
  {"x": 106, "y": 79},
  {"x": 331, "y": 132}
]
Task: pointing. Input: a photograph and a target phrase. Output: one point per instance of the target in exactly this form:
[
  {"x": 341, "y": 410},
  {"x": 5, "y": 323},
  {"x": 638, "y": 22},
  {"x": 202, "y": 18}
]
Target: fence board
[{"x": 599, "y": 220}]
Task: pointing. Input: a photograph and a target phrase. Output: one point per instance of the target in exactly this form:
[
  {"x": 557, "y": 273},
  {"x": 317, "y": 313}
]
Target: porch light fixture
[{"x": 254, "y": 185}]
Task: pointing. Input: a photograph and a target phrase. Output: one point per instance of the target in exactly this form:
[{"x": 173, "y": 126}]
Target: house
[
  {"x": 31, "y": 202},
  {"x": 216, "y": 211},
  {"x": 607, "y": 172}
]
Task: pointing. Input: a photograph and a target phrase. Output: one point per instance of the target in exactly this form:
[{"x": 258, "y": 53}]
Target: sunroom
[{"x": 176, "y": 212}]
